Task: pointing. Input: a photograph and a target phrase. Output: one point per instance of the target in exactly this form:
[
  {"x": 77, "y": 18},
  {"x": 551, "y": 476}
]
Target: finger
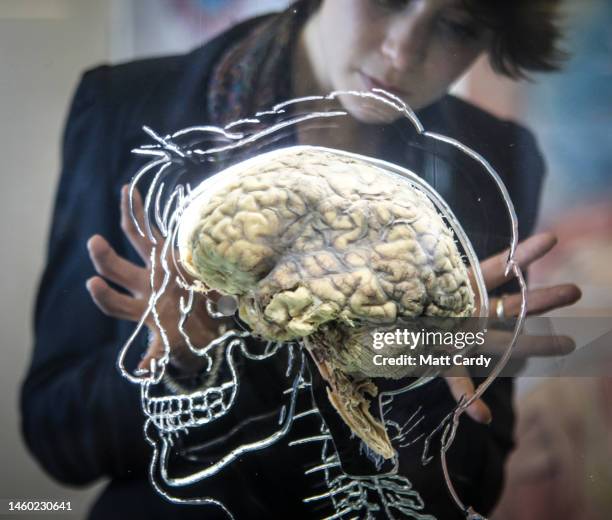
[
  {"x": 115, "y": 268},
  {"x": 154, "y": 352},
  {"x": 539, "y": 465},
  {"x": 112, "y": 302},
  {"x": 542, "y": 300},
  {"x": 527, "y": 252},
  {"x": 460, "y": 385},
  {"x": 527, "y": 345},
  {"x": 141, "y": 244}
]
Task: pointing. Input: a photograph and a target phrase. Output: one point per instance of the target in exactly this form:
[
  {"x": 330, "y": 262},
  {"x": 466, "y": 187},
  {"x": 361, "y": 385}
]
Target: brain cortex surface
[{"x": 325, "y": 247}]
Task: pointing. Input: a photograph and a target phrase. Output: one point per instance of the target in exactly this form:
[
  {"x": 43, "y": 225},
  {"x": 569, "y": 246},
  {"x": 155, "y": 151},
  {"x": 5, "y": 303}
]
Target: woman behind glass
[{"x": 81, "y": 420}]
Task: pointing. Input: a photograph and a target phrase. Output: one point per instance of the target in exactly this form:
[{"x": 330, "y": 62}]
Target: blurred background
[{"x": 563, "y": 465}]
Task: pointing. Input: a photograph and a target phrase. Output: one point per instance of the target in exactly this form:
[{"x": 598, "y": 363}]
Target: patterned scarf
[{"x": 255, "y": 73}]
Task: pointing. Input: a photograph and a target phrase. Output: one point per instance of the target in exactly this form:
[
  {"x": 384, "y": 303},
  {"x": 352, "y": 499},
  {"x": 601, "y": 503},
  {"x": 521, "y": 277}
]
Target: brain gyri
[{"x": 326, "y": 248}]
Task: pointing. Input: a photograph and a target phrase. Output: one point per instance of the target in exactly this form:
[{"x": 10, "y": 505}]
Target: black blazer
[{"x": 80, "y": 419}]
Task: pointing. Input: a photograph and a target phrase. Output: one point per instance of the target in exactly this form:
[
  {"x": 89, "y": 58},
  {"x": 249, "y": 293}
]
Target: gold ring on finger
[{"x": 500, "y": 313}]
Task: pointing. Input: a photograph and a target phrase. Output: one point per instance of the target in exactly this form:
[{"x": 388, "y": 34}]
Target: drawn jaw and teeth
[
  {"x": 181, "y": 411},
  {"x": 176, "y": 413}
]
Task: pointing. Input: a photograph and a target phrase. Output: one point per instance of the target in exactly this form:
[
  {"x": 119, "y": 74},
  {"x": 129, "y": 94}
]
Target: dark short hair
[{"x": 526, "y": 33}]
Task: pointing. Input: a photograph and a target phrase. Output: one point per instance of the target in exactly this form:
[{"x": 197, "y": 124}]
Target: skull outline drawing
[{"x": 233, "y": 341}]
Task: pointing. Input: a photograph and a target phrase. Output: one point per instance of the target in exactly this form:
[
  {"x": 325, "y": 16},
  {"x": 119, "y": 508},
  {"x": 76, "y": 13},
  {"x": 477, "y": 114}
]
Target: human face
[{"x": 414, "y": 49}]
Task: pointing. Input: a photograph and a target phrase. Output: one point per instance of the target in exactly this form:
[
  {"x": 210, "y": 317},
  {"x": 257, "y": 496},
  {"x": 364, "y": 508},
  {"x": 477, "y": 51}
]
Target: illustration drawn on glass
[{"x": 301, "y": 254}]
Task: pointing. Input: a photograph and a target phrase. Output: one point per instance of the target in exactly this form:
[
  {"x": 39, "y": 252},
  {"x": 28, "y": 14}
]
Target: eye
[
  {"x": 461, "y": 30},
  {"x": 391, "y": 5}
]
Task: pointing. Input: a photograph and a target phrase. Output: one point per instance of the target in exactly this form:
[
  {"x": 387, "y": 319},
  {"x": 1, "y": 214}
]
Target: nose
[{"x": 406, "y": 41}]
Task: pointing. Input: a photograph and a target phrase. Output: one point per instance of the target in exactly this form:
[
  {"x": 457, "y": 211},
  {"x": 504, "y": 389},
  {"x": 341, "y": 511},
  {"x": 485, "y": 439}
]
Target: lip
[{"x": 371, "y": 83}]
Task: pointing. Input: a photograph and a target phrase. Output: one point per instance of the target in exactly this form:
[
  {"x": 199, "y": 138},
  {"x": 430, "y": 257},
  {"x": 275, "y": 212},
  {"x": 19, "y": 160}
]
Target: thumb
[{"x": 154, "y": 353}]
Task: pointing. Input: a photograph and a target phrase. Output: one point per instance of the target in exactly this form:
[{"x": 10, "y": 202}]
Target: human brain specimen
[{"x": 325, "y": 248}]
